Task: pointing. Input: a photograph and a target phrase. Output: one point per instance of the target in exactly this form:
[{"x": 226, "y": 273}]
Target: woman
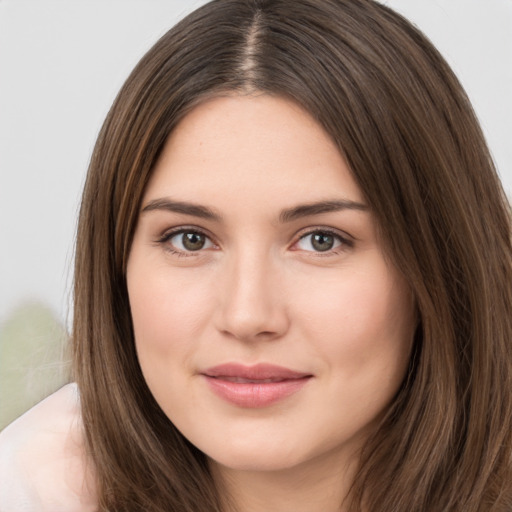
[{"x": 292, "y": 281}]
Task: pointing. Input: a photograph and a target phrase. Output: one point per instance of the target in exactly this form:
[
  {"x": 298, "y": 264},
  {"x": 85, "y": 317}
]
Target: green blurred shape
[{"x": 33, "y": 362}]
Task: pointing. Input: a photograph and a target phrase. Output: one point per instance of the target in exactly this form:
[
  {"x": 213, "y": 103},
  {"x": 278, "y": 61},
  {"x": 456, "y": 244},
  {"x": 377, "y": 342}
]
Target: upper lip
[{"x": 261, "y": 371}]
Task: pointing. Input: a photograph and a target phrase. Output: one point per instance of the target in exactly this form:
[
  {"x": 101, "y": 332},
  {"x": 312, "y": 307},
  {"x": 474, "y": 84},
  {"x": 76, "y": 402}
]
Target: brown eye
[
  {"x": 321, "y": 241},
  {"x": 189, "y": 241},
  {"x": 193, "y": 241}
]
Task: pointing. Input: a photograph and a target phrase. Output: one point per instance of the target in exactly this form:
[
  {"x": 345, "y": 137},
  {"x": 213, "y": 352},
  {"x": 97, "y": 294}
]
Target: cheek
[
  {"x": 364, "y": 319},
  {"x": 169, "y": 311}
]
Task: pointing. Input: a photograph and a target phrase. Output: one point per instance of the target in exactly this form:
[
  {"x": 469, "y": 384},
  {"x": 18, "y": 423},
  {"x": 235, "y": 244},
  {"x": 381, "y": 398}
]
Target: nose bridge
[{"x": 252, "y": 304}]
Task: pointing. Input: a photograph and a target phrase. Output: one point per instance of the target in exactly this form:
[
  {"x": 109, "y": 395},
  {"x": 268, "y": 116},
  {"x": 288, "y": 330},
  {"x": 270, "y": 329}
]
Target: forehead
[{"x": 259, "y": 149}]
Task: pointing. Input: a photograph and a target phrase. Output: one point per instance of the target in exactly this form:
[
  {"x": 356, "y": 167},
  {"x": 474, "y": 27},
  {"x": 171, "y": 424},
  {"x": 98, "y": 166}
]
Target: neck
[{"x": 317, "y": 485}]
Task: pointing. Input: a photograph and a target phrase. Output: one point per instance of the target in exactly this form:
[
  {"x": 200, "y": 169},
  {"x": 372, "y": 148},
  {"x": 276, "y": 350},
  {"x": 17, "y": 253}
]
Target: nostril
[
  {"x": 250, "y": 307},
  {"x": 266, "y": 334}
]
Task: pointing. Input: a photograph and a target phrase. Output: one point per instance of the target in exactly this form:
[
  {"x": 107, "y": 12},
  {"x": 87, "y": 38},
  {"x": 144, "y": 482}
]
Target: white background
[{"x": 61, "y": 65}]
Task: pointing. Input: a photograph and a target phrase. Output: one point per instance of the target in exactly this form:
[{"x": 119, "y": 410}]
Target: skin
[{"x": 258, "y": 291}]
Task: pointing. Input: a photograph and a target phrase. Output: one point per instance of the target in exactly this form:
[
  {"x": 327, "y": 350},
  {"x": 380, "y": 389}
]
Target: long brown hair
[{"x": 409, "y": 134}]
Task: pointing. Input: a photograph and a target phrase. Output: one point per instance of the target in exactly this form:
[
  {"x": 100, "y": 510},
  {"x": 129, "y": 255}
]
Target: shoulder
[{"x": 42, "y": 459}]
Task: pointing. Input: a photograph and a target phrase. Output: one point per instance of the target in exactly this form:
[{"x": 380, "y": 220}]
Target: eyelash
[
  {"x": 345, "y": 242},
  {"x": 167, "y": 236}
]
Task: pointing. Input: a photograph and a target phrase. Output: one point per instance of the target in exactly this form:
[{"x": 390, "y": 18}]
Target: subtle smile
[{"x": 254, "y": 386}]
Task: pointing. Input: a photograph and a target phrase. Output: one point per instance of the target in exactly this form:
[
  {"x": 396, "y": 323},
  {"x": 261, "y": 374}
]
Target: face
[{"x": 269, "y": 325}]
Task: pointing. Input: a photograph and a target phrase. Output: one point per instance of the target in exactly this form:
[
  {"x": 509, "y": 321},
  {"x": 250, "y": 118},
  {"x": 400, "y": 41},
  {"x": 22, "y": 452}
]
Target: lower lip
[{"x": 254, "y": 395}]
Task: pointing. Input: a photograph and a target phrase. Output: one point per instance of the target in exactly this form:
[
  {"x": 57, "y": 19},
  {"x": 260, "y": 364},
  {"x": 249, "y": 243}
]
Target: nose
[{"x": 252, "y": 303}]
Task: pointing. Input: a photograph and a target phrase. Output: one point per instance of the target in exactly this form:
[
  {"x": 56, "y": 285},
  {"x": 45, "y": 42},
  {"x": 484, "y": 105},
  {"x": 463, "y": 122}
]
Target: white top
[{"x": 42, "y": 463}]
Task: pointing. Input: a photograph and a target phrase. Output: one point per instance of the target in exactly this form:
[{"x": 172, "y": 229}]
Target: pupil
[
  {"x": 322, "y": 241},
  {"x": 193, "y": 241}
]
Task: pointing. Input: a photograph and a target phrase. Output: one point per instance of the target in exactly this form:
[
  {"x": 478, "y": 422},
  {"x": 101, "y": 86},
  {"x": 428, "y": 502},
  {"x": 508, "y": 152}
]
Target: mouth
[
  {"x": 254, "y": 386},
  {"x": 241, "y": 380}
]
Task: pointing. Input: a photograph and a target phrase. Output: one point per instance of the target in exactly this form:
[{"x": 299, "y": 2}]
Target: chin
[
  {"x": 255, "y": 462},
  {"x": 241, "y": 456}
]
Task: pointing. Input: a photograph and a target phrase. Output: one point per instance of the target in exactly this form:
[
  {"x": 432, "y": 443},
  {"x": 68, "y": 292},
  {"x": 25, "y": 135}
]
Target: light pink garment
[{"x": 42, "y": 463}]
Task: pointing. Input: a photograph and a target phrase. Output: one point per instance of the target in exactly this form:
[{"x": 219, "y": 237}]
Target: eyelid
[
  {"x": 171, "y": 232},
  {"x": 347, "y": 241}
]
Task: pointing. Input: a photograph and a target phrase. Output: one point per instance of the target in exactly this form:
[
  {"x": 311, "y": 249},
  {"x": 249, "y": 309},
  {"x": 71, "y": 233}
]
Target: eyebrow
[
  {"x": 306, "y": 210},
  {"x": 287, "y": 215},
  {"x": 195, "y": 210}
]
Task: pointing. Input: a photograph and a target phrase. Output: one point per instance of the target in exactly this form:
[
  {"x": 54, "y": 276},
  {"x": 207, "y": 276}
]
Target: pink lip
[{"x": 254, "y": 386}]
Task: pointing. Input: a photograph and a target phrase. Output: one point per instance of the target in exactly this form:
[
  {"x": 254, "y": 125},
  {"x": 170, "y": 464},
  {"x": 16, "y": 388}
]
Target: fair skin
[
  {"x": 254, "y": 246},
  {"x": 230, "y": 265},
  {"x": 43, "y": 467}
]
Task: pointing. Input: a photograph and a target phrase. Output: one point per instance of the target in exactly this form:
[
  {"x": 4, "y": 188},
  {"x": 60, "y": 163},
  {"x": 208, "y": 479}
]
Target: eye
[
  {"x": 187, "y": 241},
  {"x": 321, "y": 241}
]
